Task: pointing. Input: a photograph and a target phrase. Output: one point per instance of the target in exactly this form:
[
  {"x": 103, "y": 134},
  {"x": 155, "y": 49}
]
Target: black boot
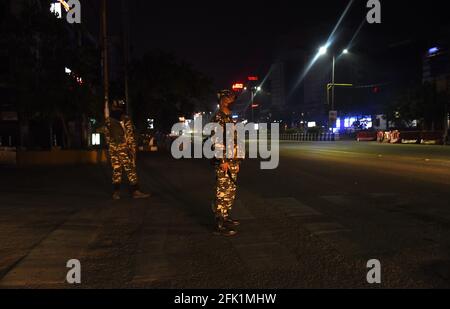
[
  {"x": 137, "y": 194},
  {"x": 116, "y": 192},
  {"x": 231, "y": 222},
  {"x": 222, "y": 229}
]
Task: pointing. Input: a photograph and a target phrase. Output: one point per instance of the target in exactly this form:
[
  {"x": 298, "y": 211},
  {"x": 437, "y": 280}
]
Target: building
[
  {"x": 22, "y": 121},
  {"x": 436, "y": 71},
  {"x": 436, "y": 66},
  {"x": 285, "y": 86}
]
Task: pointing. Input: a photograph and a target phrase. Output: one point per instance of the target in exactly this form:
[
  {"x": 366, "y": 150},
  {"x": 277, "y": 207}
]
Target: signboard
[
  {"x": 238, "y": 86},
  {"x": 253, "y": 78},
  {"x": 332, "y": 118}
]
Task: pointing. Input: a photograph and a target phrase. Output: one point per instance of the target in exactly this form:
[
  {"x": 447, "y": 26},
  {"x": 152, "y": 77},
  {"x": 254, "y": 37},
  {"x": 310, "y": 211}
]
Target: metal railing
[{"x": 310, "y": 137}]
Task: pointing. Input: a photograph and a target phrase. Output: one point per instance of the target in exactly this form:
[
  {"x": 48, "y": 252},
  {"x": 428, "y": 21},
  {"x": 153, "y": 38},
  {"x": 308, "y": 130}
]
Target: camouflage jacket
[
  {"x": 120, "y": 132},
  {"x": 222, "y": 119}
]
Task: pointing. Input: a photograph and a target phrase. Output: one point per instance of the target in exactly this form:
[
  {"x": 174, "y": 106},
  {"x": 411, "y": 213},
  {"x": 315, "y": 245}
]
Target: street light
[{"x": 322, "y": 51}]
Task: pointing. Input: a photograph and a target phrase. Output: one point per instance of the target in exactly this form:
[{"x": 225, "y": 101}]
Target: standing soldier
[
  {"x": 227, "y": 170},
  {"x": 122, "y": 148}
]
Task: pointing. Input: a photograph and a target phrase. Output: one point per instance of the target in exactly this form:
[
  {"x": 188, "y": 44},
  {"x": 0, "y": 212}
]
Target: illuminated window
[
  {"x": 95, "y": 139},
  {"x": 150, "y": 123}
]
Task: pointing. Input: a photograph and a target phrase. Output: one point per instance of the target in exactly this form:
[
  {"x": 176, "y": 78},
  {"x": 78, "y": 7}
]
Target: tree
[
  {"x": 43, "y": 46},
  {"x": 422, "y": 102},
  {"x": 164, "y": 89}
]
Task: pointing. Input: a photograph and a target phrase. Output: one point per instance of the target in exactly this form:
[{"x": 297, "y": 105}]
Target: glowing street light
[{"x": 323, "y": 50}]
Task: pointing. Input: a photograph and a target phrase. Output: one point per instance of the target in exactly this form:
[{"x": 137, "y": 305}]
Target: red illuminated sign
[{"x": 253, "y": 78}]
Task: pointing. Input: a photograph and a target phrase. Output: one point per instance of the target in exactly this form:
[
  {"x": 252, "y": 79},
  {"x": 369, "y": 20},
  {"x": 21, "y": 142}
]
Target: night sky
[{"x": 228, "y": 40}]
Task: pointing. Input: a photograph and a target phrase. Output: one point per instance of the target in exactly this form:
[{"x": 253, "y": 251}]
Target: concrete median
[{"x": 60, "y": 157}]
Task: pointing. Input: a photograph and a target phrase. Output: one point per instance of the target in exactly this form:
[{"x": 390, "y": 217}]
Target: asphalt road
[{"x": 312, "y": 223}]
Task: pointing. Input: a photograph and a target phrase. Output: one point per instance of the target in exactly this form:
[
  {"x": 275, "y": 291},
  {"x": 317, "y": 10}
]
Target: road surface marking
[
  {"x": 45, "y": 264},
  {"x": 291, "y": 207}
]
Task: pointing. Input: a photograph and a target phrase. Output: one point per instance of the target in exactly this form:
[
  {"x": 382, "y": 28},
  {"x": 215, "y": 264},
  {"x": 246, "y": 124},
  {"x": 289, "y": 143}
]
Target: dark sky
[{"x": 229, "y": 40}]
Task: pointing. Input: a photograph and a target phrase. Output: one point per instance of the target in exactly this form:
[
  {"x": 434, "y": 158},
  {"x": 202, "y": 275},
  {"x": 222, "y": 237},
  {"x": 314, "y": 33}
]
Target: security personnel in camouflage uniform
[
  {"x": 226, "y": 169},
  {"x": 122, "y": 148}
]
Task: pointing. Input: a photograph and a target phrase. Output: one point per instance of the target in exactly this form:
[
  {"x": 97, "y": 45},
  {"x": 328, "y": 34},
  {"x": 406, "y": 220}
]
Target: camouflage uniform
[
  {"x": 225, "y": 188},
  {"x": 122, "y": 148}
]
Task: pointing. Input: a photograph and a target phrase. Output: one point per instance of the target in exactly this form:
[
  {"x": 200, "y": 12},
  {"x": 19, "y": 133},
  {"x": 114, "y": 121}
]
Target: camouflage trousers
[
  {"x": 121, "y": 158},
  {"x": 225, "y": 190}
]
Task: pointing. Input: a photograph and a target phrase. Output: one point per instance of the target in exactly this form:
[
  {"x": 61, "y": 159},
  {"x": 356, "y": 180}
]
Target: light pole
[
  {"x": 333, "y": 82},
  {"x": 104, "y": 36},
  {"x": 323, "y": 51},
  {"x": 126, "y": 51},
  {"x": 253, "y": 91},
  {"x": 251, "y": 103}
]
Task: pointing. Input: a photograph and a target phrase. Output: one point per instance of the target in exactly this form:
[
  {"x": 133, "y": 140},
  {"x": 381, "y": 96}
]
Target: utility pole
[
  {"x": 104, "y": 40},
  {"x": 333, "y": 82},
  {"x": 126, "y": 51},
  {"x": 251, "y": 104},
  {"x": 446, "y": 120}
]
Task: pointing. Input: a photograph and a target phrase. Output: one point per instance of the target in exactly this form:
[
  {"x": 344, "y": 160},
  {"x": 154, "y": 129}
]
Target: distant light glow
[
  {"x": 433, "y": 50},
  {"x": 365, "y": 121},
  {"x": 67, "y": 70},
  {"x": 312, "y": 124},
  {"x": 259, "y": 88},
  {"x": 323, "y": 50},
  {"x": 238, "y": 86},
  {"x": 95, "y": 139},
  {"x": 345, "y": 51},
  {"x": 150, "y": 123},
  {"x": 55, "y": 8}
]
